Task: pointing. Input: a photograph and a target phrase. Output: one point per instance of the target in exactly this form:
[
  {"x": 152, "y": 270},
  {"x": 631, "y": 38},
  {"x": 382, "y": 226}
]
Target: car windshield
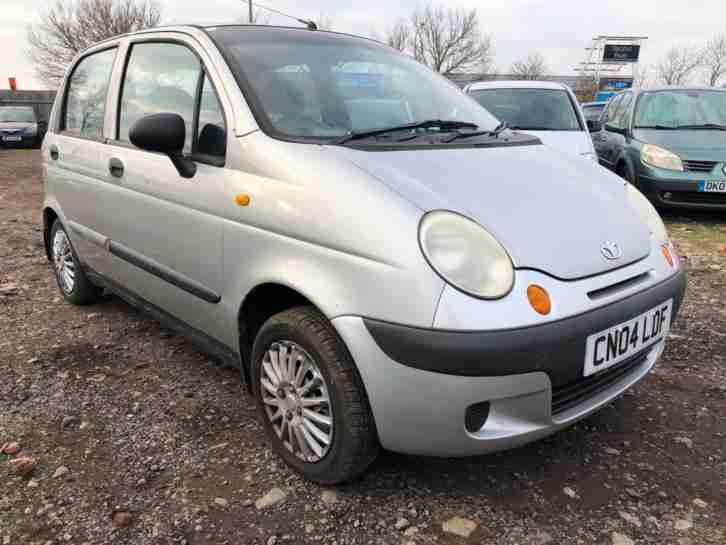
[
  {"x": 321, "y": 86},
  {"x": 533, "y": 109},
  {"x": 680, "y": 108},
  {"x": 17, "y": 115}
]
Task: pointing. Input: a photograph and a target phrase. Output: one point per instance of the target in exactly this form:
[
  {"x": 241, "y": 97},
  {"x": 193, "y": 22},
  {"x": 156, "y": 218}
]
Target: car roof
[
  {"x": 515, "y": 84},
  {"x": 677, "y": 88},
  {"x": 190, "y": 28}
]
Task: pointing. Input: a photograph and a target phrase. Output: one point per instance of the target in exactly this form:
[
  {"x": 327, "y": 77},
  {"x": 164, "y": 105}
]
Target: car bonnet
[{"x": 551, "y": 212}]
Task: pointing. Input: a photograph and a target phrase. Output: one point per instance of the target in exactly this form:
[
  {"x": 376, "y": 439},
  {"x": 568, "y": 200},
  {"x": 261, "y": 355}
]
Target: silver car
[{"x": 385, "y": 262}]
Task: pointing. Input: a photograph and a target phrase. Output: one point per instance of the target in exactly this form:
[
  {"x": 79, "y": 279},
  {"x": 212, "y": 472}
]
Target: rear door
[
  {"x": 165, "y": 230},
  {"x": 76, "y": 152}
]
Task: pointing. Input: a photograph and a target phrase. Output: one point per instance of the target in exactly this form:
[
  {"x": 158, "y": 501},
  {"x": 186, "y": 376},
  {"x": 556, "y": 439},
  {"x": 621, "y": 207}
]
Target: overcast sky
[{"x": 559, "y": 29}]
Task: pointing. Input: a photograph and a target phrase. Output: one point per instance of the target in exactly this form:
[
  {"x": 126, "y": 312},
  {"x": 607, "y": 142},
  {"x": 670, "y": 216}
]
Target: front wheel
[{"x": 311, "y": 399}]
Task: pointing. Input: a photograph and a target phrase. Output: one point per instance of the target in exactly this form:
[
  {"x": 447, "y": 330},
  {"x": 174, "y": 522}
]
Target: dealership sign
[{"x": 621, "y": 53}]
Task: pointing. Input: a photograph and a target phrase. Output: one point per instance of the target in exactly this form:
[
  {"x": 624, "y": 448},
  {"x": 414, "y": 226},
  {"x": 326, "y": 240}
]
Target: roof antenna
[{"x": 310, "y": 24}]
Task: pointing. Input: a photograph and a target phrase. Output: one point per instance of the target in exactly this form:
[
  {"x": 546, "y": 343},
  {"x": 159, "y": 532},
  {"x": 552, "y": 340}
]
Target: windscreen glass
[
  {"x": 530, "y": 109},
  {"x": 317, "y": 85}
]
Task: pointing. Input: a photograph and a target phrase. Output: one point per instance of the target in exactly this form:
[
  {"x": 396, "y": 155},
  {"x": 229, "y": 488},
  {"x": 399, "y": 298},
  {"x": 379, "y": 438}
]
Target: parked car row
[
  {"x": 670, "y": 142},
  {"x": 385, "y": 261}
]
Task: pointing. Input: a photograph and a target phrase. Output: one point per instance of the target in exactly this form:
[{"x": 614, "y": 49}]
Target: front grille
[
  {"x": 693, "y": 197},
  {"x": 567, "y": 396},
  {"x": 619, "y": 286},
  {"x": 699, "y": 166}
]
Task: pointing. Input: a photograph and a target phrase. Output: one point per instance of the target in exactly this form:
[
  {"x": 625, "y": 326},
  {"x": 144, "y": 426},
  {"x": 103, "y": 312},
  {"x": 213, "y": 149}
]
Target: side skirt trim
[{"x": 201, "y": 340}]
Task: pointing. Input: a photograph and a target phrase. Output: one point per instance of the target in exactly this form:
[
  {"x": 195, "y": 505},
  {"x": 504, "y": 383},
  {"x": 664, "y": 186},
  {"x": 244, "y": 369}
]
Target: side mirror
[
  {"x": 164, "y": 133},
  {"x": 593, "y": 125}
]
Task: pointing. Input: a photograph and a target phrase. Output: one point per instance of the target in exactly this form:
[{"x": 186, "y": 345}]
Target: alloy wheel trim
[
  {"x": 297, "y": 401},
  {"x": 65, "y": 267}
]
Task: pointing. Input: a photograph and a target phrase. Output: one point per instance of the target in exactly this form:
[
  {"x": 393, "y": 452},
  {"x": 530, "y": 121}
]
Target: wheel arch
[{"x": 263, "y": 301}]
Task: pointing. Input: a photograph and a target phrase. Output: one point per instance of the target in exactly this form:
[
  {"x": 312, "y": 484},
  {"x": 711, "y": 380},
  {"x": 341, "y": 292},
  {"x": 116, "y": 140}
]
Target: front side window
[
  {"x": 612, "y": 109},
  {"x": 318, "y": 86},
  {"x": 17, "y": 114},
  {"x": 85, "y": 103},
  {"x": 531, "y": 109},
  {"x": 160, "y": 78},
  {"x": 621, "y": 116},
  {"x": 170, "y": 78},
  {"x": 676, "y": 109}
]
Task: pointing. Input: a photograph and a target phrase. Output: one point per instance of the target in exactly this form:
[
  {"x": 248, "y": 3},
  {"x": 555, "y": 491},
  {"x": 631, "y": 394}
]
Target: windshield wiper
[
  {"x": 707, "y": 126},
  {"x": 656, "y": 127},
  {"x": 494, "y": 132},
  {"x": 441, "y": 124}
]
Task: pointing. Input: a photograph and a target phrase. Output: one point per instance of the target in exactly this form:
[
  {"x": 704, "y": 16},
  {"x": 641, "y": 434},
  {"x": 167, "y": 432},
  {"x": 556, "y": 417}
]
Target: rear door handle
[
  {"x": 116, "y": 167},
  {"x": 54, "y": 153}
]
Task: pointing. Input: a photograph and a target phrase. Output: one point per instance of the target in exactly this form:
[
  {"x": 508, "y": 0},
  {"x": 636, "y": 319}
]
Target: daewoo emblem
[{"x": 611, "y": 250}]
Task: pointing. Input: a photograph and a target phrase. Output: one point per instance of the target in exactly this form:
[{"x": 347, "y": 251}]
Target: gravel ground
[{"x": 138, "y": 438}]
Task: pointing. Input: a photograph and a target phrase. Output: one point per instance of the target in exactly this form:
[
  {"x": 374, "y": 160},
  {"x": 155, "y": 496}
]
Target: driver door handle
[{"x": 116, "y": 167}]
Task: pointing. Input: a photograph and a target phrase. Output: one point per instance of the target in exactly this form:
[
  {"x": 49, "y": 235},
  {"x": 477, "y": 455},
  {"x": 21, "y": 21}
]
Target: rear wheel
[
  {"x": 72, "y": 281},
  {"x": 310, "y": 398}
]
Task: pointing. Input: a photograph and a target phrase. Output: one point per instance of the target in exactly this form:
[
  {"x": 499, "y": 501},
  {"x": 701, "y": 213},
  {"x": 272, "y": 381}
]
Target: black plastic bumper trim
[{"x": 557, "y": 348}]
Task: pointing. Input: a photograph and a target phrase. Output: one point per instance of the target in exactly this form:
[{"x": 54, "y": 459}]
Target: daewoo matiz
[{"x": 387, "y": 264}]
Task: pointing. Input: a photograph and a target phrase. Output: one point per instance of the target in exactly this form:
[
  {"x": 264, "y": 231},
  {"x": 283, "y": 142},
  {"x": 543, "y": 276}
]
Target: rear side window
[
  {"x": 85, "y": 102},
  {"x": 170, "y": 78},
  {"x": 621, "y": 117}
]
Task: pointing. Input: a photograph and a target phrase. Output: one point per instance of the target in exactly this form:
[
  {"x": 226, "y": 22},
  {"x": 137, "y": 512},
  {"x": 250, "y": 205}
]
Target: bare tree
[
  {"x": 714, "y": 59},
  {"x": 444, "y": 39},
  {"x": 678, "y": 65},
  {"x": 531, "y": 68},
  {"x": 399, "y": 36},
  {"x": 67, "y": 27},
  {"x": 641, "y": 76}
]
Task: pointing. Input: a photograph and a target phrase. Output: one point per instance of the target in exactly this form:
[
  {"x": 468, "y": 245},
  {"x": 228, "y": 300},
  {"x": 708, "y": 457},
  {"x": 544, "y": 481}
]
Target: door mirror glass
[
  {"x": 164, "y": 133},
  {"x": 593, "y": 125}
]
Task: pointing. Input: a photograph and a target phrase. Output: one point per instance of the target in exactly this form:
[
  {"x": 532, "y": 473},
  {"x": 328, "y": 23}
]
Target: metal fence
[{"x": 41, "y": 101}]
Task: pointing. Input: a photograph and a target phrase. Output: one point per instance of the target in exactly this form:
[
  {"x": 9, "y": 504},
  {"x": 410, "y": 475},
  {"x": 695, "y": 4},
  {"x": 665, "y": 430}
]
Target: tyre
[
  {"x": 310, "y": 398},
  {"x": 72, "y": 281}
]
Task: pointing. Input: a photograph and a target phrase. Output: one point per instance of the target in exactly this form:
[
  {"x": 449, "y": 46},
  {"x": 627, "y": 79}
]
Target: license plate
[
  {"x": 12, "y": 138},
  {"x": 618, "y": 343},
  {"x": 712, "y": 187}
]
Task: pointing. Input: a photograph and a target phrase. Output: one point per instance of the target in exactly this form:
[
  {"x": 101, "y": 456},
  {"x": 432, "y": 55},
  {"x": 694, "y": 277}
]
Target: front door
[{"x": 165, "y": 237}]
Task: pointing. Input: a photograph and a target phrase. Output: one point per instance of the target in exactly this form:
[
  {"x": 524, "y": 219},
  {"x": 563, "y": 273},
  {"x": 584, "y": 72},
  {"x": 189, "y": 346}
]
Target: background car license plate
[
  {"x": 613, "y": 345},
  {"x": 712, "y": 187},
  {"x": 12, "y": 138}
]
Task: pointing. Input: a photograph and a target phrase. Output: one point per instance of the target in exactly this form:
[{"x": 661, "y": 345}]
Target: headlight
[
  {"x": 647, "y": 213},
  {"x": 465, "y": 255},
  {"x": 32, "y": 130},
  {"x": 660, "y": 158}
]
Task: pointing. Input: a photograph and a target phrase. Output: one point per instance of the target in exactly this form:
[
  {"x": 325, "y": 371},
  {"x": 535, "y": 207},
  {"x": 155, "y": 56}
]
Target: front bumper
[
  {"x": 680, "y": 189},
  {"x": 420, "y": 383}
]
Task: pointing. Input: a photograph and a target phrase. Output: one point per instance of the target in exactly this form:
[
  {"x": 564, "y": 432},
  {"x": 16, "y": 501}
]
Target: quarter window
[
  {"x": 170, "y": 78},
  {"x": 85, "y": 104}
]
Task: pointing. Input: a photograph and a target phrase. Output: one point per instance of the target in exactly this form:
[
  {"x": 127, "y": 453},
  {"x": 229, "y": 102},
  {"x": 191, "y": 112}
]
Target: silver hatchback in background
[{"x": 386, "y": 263}]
